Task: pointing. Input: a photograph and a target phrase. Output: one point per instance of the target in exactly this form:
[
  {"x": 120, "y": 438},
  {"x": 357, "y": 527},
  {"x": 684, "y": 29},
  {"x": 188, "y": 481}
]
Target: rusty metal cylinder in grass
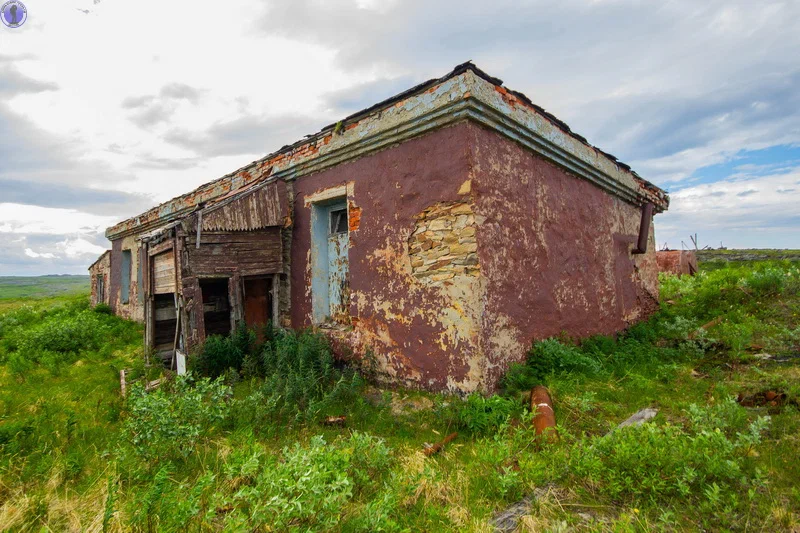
[{"x": 544, "y": 421}]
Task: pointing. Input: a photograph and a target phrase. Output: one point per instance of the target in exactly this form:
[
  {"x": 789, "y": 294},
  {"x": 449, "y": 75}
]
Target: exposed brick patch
[{"x": 443, "y": 243}]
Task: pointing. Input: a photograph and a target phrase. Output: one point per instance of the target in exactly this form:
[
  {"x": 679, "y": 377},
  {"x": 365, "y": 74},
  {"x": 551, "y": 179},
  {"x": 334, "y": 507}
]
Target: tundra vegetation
[{"x": 242, "y": 444}]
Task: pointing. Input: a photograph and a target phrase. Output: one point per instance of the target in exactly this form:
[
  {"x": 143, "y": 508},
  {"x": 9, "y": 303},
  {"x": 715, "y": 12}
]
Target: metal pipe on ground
[
  {"x": 644, "y": 228},
  {"x": 544, "y": 420}
]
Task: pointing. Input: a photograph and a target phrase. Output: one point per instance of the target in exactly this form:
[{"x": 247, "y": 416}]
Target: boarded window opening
[
  {"x": 100, "y": 289},
  {"x": 164, "y": 273},
  {"x": 216, "y": 306},
  {"x": 125, "y": 285}
]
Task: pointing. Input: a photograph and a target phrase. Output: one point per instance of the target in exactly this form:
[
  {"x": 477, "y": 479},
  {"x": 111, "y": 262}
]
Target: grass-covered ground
[
  {"x": 745, "y": 254},
  {"x": 249, "y": 450},
  {"x": 25, "y": 287}
]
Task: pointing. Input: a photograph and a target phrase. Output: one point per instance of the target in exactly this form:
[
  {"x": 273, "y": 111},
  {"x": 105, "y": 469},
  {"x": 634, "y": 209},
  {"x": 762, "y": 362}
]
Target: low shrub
[
  {"x": 708, "y": 453},
  {"x": 766, "y": 282},
  {"x": 308, "y": 488},
  {"x": 169, "y": 421},
  {"x": 301, "y": 381},
  {"x": 480, "y": 415},
  {"x": 546, "y": 358},
  {"x": 59, "y": 335},
  {"x": 217, "y": 355},
  {"x": 103, "y": 309}
]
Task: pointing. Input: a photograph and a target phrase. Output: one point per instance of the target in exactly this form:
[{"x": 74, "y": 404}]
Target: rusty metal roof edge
[{"x": 118, "y": 230}]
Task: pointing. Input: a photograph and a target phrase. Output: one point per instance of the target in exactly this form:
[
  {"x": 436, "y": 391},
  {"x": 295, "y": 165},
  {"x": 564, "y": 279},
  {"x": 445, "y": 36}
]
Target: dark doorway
[
  {"x": 216, "y": 306},
  {"x": 165, "y": 319},
  {"x": 258, "y": 303}
]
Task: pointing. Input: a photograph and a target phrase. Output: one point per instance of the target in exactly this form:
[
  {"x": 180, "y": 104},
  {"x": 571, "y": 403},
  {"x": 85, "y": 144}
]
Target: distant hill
[
  {"x": 748, "y": 254},
  {"x": 42, "y": 286}
]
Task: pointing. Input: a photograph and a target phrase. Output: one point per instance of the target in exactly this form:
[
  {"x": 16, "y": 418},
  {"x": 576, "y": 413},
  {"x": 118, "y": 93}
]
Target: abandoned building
[
  {"x": 677, "y": 262},
  {"x": 442, "y": 230}
]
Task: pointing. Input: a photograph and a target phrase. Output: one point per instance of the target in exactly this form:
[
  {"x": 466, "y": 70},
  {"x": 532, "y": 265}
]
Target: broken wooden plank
[{"x": 122, "y": 384}]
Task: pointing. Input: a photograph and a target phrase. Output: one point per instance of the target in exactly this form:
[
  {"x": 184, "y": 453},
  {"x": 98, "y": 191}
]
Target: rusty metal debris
[
  {"x": 433, "y": 449},
  {"x": 544, "y": 419},
  {"x": 334, "y": 420}
]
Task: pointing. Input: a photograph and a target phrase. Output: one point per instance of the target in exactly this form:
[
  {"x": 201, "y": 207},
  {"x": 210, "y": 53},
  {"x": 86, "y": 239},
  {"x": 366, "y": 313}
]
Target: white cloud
[
  {"x": 79, "y": 247},
  {"x": 110, "y": 107},
  {"x": 30, "y": 219},
  {"x": 742, "y": 212},
  {"x": 31, "y": 253}
]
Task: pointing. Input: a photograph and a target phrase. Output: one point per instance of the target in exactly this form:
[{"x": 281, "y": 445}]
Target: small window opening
[{"x": 339, "y": 221}]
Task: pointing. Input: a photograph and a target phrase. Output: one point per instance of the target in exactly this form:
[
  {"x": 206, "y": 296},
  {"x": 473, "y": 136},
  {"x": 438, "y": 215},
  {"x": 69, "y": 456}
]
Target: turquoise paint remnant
[{"x": 329, "y": 266}]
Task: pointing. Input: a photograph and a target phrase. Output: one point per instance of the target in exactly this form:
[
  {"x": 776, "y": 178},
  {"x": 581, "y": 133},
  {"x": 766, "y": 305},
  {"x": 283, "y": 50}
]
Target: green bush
[
  {"x": 671, "y": 461},
  {"x": 480, "y": 415},
  {"x": 301, "y": 381},
  {"x": 767, "y": 282},
  {"x": 308, "y": 488},
  {"x": 550, "y": 357},
  {"x": 217, "y": 355},
  {"x": 169, "y": 421},
  {"x": 58, "y": 335},
  {"x": 103, "y": 309}
]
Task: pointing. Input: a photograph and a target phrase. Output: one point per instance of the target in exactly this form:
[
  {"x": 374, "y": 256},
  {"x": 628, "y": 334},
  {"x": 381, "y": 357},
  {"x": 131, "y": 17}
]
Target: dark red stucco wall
[
  {"x": 391, "y": 314},
  {"x": 554, "y": 253},
  {"x": 555, "y": 250}
]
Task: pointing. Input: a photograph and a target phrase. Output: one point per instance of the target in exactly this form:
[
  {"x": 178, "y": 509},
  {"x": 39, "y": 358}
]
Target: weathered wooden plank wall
[
  {"x": 164, "y": 272},
  {"x": 248, "y": 253}
]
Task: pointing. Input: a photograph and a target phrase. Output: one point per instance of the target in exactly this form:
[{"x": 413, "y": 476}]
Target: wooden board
[
  {"x": 257, "y": 302},
  {"x": 256, "y": 252},
  {"x": 256, "y": 209},
  {"x": 164, "y": 272}
]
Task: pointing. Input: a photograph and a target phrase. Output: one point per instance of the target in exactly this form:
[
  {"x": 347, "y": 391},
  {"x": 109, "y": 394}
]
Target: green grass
[{"x": 250, "y": 451}]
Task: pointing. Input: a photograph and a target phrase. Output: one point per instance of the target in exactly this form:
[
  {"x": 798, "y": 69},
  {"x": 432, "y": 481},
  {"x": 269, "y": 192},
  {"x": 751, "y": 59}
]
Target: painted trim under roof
[{"x": 467, "y": 93}]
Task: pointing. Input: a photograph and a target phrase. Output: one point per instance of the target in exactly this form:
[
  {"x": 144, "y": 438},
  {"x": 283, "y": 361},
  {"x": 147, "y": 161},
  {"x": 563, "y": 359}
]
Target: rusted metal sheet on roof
[{"x": 261, "y": 208}]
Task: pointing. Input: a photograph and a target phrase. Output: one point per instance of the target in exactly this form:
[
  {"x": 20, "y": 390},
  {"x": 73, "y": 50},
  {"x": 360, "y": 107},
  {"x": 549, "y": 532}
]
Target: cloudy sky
[{"x": 110, "y": 106}]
